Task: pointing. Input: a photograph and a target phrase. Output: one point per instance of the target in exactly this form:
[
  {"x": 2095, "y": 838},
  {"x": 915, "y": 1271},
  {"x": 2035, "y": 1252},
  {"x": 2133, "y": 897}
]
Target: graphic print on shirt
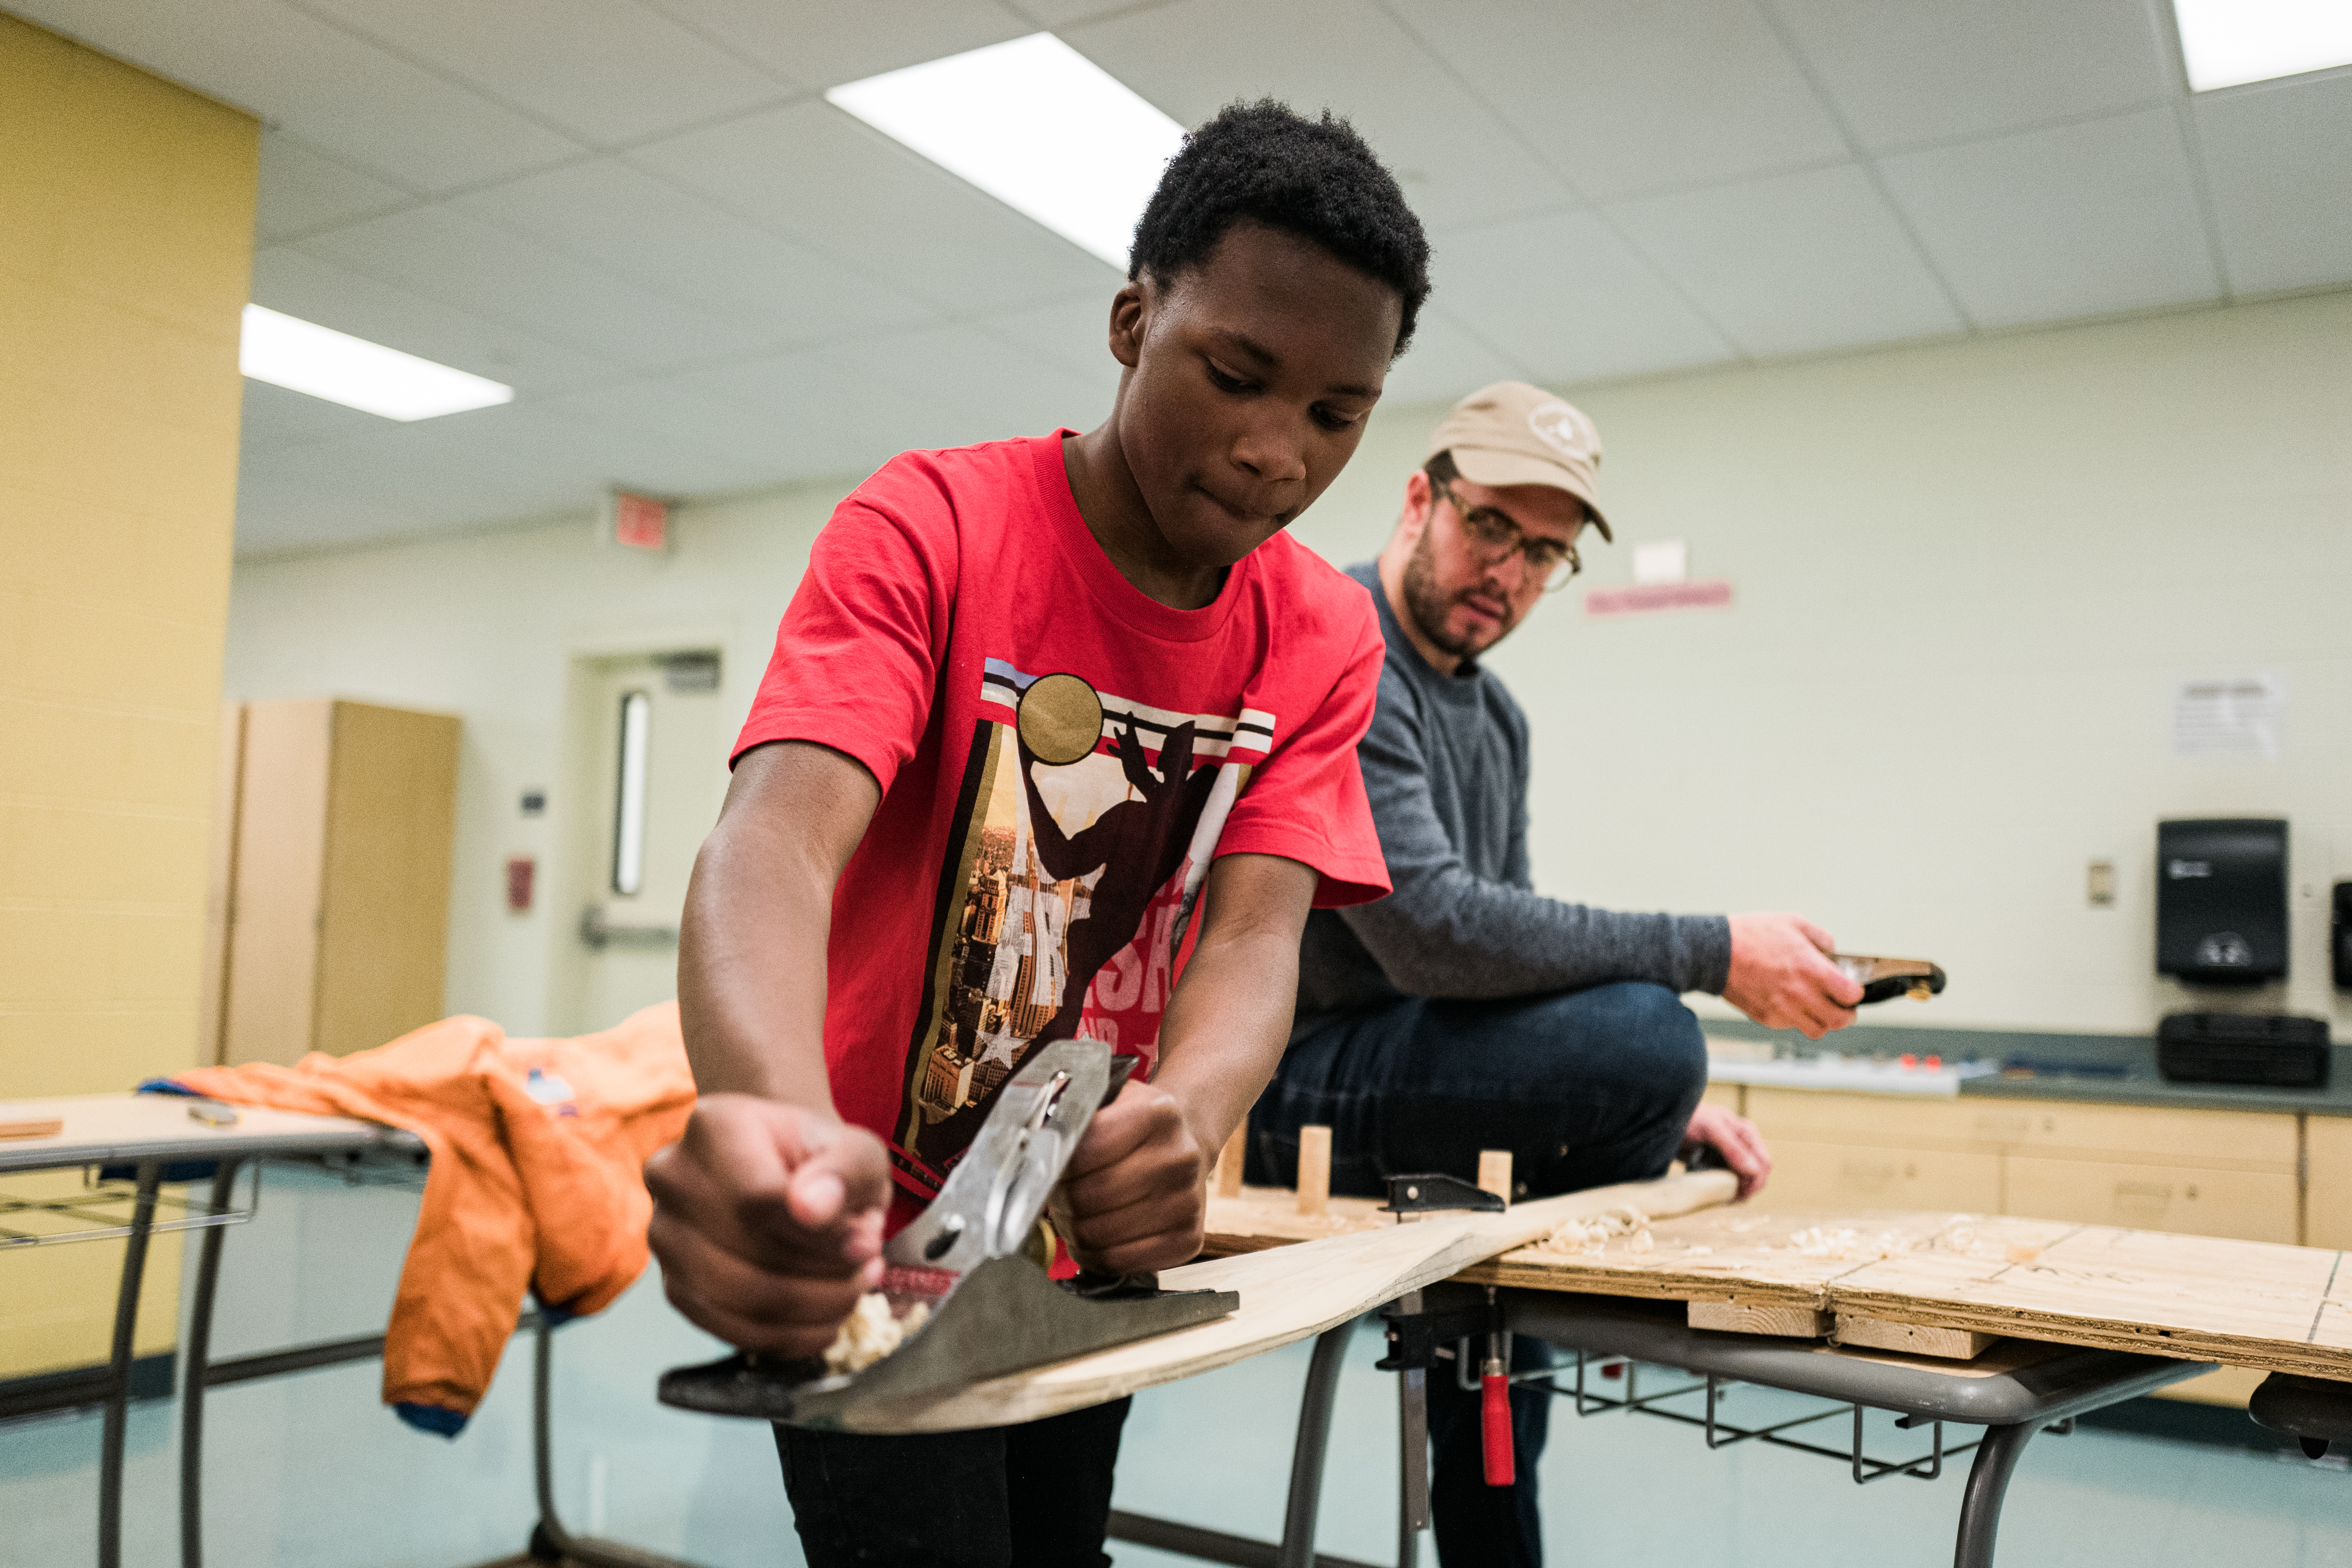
[{"x": 1082, "y": 834}]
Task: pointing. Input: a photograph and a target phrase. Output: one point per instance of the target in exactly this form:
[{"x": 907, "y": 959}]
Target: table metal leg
[
  {"x": 1996, "y": 1461},
  {"x": 1297, "y": 1548},
  {"x": 117, "y": 1430},
  {"x": 550, "y": 1542},
  {"x": 1413, "y": 1457},
  {"x": 195, "y": 1358}
]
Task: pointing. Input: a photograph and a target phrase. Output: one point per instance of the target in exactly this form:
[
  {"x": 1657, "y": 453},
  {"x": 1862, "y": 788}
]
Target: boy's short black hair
[{"x": 1316, "y": 179}]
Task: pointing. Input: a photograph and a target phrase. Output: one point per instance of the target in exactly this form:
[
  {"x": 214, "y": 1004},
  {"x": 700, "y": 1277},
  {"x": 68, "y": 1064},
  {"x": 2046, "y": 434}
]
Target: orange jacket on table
[{"x": 539, "y": 1190}]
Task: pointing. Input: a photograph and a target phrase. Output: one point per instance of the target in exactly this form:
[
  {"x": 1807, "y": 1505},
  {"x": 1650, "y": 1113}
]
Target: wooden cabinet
[
  {"x": 2248, "y": 1205},
  {"x": 2327, "y": 1193},
  {"x": 337, "y": 870},
  {"x": 2201, "y": 1172},
  {"x": 1861, "y": 1175}
]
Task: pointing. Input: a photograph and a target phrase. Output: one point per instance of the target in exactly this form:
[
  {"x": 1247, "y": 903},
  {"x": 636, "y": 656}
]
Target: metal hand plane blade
[
  {"x": 994, "y": 1194},
  {"x": 993, "y": 1310}
]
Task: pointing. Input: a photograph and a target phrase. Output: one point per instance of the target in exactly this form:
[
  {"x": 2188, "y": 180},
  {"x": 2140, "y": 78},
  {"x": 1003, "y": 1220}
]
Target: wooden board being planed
[
  {"x": 1289, "y": 1292},
  {"x": 2243, "y": 1303}
]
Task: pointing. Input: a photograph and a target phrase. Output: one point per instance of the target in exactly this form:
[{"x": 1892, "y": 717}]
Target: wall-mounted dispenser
[
  {"x": 2339, "y": 937},
  {"x": 2220, "y": 921},
  {"x": 2221, "y": 900}
]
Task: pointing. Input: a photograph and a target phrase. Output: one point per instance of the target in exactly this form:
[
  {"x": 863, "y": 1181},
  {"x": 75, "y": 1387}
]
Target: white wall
[{"x": 1967, "y": 576}]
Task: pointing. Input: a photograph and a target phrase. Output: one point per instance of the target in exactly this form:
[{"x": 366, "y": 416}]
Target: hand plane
[
  {"x": 991, "y": 1309},
  {"x": 1882, "y": 979}
]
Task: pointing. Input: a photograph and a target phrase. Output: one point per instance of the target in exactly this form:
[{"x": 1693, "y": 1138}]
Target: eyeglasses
[{"x": 1550, "y": 561}]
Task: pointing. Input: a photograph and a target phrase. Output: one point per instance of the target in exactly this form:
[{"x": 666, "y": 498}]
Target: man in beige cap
[{"x": 1466, "y": 1011}]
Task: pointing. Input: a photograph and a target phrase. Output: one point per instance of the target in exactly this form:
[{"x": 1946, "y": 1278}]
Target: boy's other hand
[
  {"x": 1134, "y": 1196},
  {"x": 768, "y": 1222},
  {"x": 1781, "y": 975}
]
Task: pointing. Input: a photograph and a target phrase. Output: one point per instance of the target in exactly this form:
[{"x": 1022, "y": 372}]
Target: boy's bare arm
[
  {"x": 768, "y": 1213},
  {"x": 1134, "y": 1196}
]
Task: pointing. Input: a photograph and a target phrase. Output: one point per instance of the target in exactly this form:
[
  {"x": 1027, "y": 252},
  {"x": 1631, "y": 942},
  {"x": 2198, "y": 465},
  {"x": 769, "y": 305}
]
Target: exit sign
[{"x": 639, "y": 521}]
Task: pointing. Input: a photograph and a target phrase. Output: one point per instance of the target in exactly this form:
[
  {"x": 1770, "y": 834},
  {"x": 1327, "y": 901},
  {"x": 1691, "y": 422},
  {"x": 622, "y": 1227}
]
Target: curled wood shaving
[{"x": 870, "y": 1332}]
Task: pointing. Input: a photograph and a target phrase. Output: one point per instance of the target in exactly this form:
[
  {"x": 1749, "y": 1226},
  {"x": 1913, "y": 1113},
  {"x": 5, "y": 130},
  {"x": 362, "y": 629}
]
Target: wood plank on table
[
  {"x": 1289, "y": 1292},
  {"x": 2243, "y": 1303}
]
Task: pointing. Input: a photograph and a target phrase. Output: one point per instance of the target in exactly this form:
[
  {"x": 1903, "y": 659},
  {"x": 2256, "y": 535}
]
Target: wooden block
[
  {"x": 1914, "y": 1339},
  {"x": 34, "y": 1127},
  {"x": 1495, "y": 1172},
  {"x": 1314, "y": 1170},
  {"x": 1230, "y": 1160},
  {"x": 1756, "y": 1317}
]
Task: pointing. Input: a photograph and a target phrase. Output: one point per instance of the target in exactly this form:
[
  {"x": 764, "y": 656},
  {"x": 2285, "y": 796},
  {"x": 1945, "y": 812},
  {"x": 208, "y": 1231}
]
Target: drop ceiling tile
[
  {"x": 1073, "y": 335},
  {"x": 1458, "y": 163},
  {"x": 276, "y": 419},
  {"x": 617, "y": 217},
  {"x": 747, "y": 438},
  {"x": 313, "y": 289},
  {"x": 487, "y": 465},
  {"x": 1446, "y": 362},
  {"x": 604, "y": 70},
  {"x": 304, "y": 189},
  {"x": 1792, "y": 264},
  {"x": 822, "y": 42},
  {"x": 1621, "y": 96},
  {"x": 2075, "y": 220},
  {"x": 2281, "y": 179},
  {"x": 1565, "y": 296},
  {"x": 983, "y": 389},
  {"x": 489, "y": 272},
  {"x": 811, "y": 172},
  {"x": 1907, "y": 71},
  {"x": 826, "y": 423},
  {"x": 342, "y": 95},
  {"x": 1060, "y": 14}
]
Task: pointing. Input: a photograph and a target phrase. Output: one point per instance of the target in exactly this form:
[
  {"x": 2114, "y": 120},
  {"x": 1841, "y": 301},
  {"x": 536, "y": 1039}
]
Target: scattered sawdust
[
  {"x": 1847, "y": 1246},
  {"x": 1591, "y": 1236},
  {"x": 870, "y": 1333},
  {"x": 2024, "y": 1252}
]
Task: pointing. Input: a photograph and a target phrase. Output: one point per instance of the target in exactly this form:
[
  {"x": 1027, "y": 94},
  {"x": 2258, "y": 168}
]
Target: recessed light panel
[
  {"x": 2228, "y": 43},
  {"x": 1036, "y": 124},
  {"x": 303, "y": 356}
]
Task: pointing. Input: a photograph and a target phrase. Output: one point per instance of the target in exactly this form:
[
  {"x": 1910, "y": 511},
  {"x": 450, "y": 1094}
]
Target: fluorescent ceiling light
[
  {"x": 1036, "y": 124},
  {"x": 2230, "y": 42},
  {"x": 303, "y": 356}
]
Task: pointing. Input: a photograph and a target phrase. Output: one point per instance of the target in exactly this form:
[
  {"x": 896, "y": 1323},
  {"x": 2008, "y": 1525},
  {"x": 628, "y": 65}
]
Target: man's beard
[{"x": 1428, "y": 606}]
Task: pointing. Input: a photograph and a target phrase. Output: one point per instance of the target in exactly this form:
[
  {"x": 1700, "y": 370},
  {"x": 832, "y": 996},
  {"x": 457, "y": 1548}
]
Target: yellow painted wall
[{"x": 126, "y": 242}]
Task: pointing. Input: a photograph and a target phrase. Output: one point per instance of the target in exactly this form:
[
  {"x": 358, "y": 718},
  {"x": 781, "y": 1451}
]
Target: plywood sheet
[{"x": 2242, "y": 1303}]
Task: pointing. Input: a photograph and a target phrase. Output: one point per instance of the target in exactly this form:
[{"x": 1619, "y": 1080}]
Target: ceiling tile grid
[
  {"x": 2278, "y": 159},
  {"x": 1793, "y": 263},
  {"x": 642, "y": 214},
  {"x": 2075, "y": 220}
]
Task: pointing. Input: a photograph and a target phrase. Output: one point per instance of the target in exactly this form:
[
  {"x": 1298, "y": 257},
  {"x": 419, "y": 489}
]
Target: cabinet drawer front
[
  {"x": 1864, "y": 1176},
  {"x": 2248, "y": 1205},
  {"x": 2220, "y": 1138},
  {"x": 2328, "y": 1204},
  {"x": 1885, "y": 1121}
]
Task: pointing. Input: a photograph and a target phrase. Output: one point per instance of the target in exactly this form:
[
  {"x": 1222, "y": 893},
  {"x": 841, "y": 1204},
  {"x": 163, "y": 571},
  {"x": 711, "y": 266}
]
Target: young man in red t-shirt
[{"x": 1045, "y": 717}]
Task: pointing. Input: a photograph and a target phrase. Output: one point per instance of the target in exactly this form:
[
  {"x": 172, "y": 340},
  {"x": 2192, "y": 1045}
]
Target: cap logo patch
[{"x": 1555, "y": 426}]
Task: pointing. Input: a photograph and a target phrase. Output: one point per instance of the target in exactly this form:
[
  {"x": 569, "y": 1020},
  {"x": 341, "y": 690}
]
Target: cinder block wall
[{"x": 126, "y": 243}]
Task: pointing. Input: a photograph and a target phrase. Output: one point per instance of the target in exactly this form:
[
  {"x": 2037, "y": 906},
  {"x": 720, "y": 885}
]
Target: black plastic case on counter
[{"x": 2266, "y": 1051}]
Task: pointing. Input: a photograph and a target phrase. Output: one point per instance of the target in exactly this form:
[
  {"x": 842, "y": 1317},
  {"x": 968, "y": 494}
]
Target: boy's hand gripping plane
[{"x": 991, "y": 1309}]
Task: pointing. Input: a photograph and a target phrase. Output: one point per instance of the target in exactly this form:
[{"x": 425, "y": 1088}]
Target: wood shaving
[
  {"x": 1846, "y": 1245},
  {"x": 2024, "y": 1252},
  {"x": 870, "y": 1332},
  {"x": 1591, "y": 1235}
]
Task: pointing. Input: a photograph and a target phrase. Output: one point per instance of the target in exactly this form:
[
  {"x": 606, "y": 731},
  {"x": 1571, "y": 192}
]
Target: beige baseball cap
[{"x": 1514, "y": 434}]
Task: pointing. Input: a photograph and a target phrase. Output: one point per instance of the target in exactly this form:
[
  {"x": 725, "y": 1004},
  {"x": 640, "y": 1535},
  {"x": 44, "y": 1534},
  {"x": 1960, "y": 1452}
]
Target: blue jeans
[{"x": 1584, "y": 1087}]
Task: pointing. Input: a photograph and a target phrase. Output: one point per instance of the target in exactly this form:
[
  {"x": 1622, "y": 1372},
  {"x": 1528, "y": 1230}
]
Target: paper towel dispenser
[{"x": 2221, "y": 900}]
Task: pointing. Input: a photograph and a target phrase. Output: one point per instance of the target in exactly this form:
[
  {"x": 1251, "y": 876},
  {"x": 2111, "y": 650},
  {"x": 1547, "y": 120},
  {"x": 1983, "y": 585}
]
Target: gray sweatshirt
[{"x": 1447, "y": 766}]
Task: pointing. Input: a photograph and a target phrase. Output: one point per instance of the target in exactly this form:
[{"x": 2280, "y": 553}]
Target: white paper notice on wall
[{"x": 2228, "y": 716}]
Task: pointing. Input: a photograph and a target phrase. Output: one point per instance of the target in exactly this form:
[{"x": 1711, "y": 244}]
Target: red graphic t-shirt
[{"x": 1061, "y": 757}]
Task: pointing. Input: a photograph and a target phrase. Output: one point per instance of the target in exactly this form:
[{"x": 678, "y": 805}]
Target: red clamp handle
[{"x": 1495, "y": 1425}]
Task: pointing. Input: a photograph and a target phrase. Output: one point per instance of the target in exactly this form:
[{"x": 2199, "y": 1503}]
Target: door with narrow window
[{"x": 649, "y": 771}]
